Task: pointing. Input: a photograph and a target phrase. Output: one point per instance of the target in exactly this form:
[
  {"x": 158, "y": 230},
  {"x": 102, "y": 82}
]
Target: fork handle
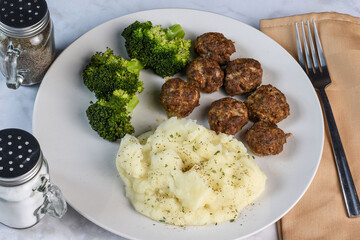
[{"x": 346, "y": 180}]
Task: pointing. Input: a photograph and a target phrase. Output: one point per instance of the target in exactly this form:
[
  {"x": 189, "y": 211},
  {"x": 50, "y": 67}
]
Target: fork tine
[
  {"x": 307, "y": 53},
  {"x": 312, "y": 48},
  {"x": 318, "y": 46},
  {"x": 299, "y": 48}
]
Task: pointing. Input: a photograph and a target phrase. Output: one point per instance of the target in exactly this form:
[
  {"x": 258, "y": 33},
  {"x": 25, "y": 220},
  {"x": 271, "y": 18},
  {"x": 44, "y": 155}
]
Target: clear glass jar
[
  {"x": 27, "y": 46},
  {"x": 26, "y": 193}
]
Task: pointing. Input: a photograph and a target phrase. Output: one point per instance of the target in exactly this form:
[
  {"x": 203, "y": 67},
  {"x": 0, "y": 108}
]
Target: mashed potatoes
[{"x": 184, "y": 174}]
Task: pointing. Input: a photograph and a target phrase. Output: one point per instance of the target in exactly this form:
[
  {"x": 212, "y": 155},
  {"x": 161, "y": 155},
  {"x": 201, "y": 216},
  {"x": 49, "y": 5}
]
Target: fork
[{"x": 315, "y": 66}]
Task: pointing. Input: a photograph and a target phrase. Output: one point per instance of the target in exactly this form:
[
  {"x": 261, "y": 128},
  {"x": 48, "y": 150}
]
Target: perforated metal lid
[
  {"x": 23, "y": 18},
  {"x": 20, "y": 156}
]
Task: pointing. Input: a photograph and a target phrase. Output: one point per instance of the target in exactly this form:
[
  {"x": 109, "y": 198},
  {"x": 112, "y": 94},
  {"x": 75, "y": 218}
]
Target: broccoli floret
[
  {"x": 111, "y": 119},
  {"x": 107, "y": 72},
  {"x": 164, "y": 50},
  {"x": 115, "y": 82}
]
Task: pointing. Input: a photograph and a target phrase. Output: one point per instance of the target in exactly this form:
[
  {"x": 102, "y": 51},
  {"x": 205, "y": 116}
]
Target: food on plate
[
  {"x": 111, "y": 119},
  {"x": 107, "y": 72},
  {"x": 265, "y": 138},
  {"x": 267, "y": 103},
  {"x": 242, "y": 75},
  {"x": 163, "y": 50},
  {"x": 227, "y": 115},
  {"x": 205, "y": 74},
  {"x": 179, "y": 98},
  {"x": 215, "y": 46},
  {"x": 115, "y": 82},
  {"x": 184, "y": 174}
]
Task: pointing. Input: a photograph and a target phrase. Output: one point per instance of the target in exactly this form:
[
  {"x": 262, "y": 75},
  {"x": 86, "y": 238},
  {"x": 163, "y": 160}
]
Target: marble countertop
[{"x": 72, "y": 18}]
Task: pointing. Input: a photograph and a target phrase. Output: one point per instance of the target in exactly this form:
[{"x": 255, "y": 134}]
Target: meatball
[
  {"x": 267, "y": 103},
  {"x": 265, "y": 138},
  {"x": 215, "y": 46},
  {"x": 242, "y": 75},
  {"x": 227, "y": 115},
  {"x": 179, "y": 98},
  {"x": 205, "y": 74}
]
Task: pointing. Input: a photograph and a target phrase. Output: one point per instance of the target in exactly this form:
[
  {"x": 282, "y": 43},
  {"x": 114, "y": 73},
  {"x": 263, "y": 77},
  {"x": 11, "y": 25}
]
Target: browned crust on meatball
[
  {"x": 242, "y": 75},
  {"x": 265, "y": 138},
  {"x": 205, "y": 74},
  {"x": 215, "y": 46},
  {"x": 227, "y": 115},
  {"x": 179, "y": 98},
  {"x": 267, "y": 103}
]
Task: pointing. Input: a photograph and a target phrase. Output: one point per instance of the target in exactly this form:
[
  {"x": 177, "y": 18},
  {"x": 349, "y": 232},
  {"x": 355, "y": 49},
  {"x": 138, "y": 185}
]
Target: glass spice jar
[
  {"x": 26, "y": 193},
  {"x": 27, "y": 46}
]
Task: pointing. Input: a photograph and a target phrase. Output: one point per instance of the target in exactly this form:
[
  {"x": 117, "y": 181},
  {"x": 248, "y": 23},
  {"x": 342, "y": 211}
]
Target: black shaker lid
[
  {"x": 20, "y": 156},
  {"x": 22, "y": 13}
]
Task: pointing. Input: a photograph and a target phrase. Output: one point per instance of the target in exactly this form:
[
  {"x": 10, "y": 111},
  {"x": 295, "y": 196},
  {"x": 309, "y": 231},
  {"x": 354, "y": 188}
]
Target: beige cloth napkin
[{"x": 321, "y": 213}]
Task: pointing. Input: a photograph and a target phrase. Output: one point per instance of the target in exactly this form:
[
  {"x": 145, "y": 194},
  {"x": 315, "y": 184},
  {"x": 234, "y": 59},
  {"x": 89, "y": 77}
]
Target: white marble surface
[{"x": 72, "y": 18}]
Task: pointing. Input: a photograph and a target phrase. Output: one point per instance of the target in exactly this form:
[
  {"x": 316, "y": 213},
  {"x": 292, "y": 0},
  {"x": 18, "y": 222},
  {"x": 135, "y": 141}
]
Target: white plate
[{"x": 83, "y": 164}]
